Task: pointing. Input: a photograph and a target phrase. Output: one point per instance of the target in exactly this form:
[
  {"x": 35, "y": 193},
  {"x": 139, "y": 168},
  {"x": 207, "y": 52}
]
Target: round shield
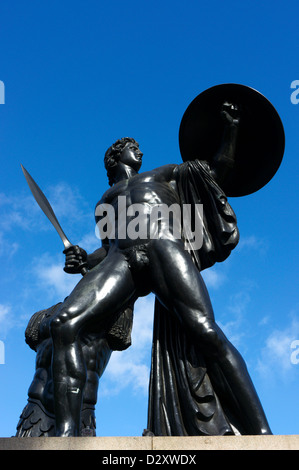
[{"x": 260, "y": 139}]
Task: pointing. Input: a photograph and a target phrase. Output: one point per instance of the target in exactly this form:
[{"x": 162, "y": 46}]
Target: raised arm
[{"x": 224, "y": 160}]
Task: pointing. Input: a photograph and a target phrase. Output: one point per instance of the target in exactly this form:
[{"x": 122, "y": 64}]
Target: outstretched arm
[
  {"x": 97, "y": 256},
  {"x": 224, "y": 160}
]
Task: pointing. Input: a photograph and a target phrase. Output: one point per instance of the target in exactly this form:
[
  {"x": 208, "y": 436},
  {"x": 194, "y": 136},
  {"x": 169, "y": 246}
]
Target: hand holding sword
[{"x": 76, "y": 257}]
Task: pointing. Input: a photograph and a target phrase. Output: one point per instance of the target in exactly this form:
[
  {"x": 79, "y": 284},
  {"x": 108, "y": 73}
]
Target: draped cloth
[{"x": 183, "y": 398}]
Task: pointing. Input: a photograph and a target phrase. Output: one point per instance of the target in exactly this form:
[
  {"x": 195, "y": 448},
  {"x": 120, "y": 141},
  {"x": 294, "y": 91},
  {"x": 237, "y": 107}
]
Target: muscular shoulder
[
  {"x": 166, "y": 172},
  {"x": 112, "y": 192}
]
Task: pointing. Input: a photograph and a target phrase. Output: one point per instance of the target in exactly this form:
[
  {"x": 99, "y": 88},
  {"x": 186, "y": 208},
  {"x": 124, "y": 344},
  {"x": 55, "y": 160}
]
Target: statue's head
[{"x": 121, "y": 151}]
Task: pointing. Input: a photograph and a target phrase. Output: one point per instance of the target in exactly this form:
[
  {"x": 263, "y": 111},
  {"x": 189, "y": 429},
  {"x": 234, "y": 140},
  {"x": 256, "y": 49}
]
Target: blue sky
[{"x": 79, "y": 75}]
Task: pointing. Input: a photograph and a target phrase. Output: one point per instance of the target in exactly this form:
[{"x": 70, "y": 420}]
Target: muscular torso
[
  {"x": 141, "y": 194},
  {"x": 96, "y": 355}
]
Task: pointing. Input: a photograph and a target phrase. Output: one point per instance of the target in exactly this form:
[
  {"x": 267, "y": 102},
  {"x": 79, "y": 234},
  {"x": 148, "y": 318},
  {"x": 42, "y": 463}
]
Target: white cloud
[
  {"x": 7, "y": 247},
  {"x": 51, "y": 278},
  {"x": 68, "y": 203},
  {"x": 213, "y": 278},
  {"x": 264, "y": 321},
  {"x": 252, "y": 242},
  {"x": 236, "y": 327},
  {"x": 275, "y": 358},
  {"x": 131, "y": 367},
  {"x": 20, "y": 212},
  {"x": 6, "y": 320},
  {"x": 240, "y": 301},
  {"x": 90, "y": 242}
]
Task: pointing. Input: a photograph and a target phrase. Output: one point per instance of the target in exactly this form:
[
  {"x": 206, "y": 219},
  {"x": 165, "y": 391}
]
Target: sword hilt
[{"x": 82, "y": 267}]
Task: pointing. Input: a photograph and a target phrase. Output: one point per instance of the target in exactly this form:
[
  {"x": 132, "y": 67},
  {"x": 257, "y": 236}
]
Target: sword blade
[{"x": 45, "y": 207}]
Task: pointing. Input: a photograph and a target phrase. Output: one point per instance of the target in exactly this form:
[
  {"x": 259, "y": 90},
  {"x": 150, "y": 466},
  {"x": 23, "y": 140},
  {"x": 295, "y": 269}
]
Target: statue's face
[{"x": 131, "y": 156}]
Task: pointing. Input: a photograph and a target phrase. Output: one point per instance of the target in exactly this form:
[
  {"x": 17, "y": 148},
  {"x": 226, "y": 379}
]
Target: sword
[{"x": 48, "y": 211}]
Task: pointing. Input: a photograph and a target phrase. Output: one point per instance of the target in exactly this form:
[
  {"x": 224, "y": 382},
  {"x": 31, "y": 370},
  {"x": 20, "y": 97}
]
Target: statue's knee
[{"x": 209, "y": 336}]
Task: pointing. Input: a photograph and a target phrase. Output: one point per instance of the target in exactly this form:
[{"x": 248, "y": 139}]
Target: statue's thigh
[
  {"x": 103, "y": 291},
  {"x": 178, "y": 284}
]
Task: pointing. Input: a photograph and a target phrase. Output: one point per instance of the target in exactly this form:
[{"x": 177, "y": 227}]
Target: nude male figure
[
  {"x": 38, "y": 416},
  {"x": 137, "y": 267}
]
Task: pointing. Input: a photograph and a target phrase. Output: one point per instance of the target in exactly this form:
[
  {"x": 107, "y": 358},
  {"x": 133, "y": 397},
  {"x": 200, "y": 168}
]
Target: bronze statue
[
  {"x": 199, "y": 382},
  {"x": 38, "y": 416}
]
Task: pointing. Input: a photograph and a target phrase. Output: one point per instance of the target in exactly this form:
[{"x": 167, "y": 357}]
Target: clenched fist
[{"x": 75, "y": 259}]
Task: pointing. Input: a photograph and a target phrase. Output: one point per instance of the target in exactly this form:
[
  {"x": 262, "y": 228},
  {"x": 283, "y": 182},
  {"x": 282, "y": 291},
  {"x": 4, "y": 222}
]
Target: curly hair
[{"x": 112, "y": 156}]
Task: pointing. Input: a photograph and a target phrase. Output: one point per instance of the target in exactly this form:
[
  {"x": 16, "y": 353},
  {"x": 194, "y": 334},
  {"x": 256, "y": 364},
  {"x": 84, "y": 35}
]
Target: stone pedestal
[{"x": 148, "y": 444}]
